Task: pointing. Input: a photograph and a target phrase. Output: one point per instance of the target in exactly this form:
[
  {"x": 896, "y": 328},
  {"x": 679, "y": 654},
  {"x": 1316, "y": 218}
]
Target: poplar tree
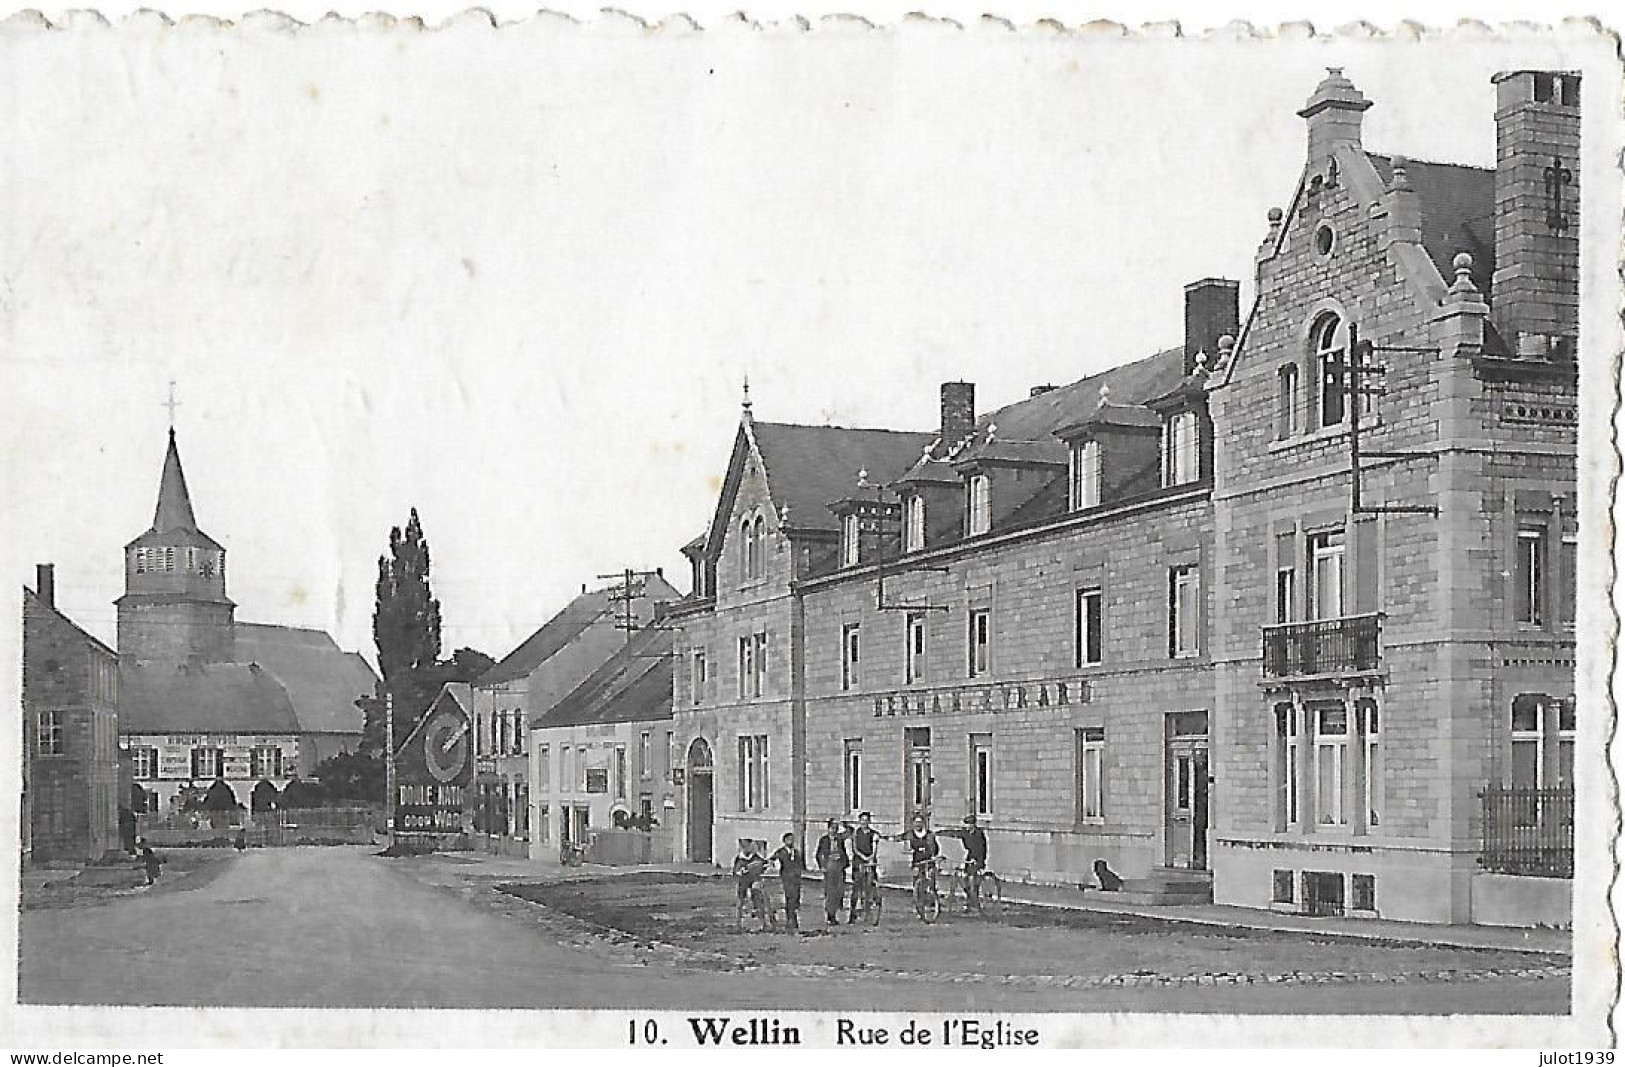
[{"x": 405, "y": 627}]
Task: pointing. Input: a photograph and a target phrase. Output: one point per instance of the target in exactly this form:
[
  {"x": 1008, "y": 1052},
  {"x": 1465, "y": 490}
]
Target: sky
[{"x": 514, "y": 279}]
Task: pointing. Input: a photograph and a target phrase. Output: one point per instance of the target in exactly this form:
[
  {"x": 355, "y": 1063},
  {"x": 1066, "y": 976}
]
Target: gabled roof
[
  {"x": 455, "y": 694},
  {"x": 322, "y": 680},
  {"x": 33, "y": 602},
  {"x": 217, "y": 698},
  {"x": 1458, "y": 212},
  {"x": 597, "y": 607},
  {"x": 810, "y": 467},
  {"x": 633, "y": 685},
  {"x": 173, "y": 522}
]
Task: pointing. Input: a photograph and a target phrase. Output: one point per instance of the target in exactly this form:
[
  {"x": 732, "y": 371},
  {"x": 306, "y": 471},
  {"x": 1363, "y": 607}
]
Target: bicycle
[
  {"x": 572, "y": 854},
  {"x": 866, "y": 892},
  {"x": 989, "y": 891},
  {"x": 756, "y": 901},
  {"x": 927, "y": 901}
]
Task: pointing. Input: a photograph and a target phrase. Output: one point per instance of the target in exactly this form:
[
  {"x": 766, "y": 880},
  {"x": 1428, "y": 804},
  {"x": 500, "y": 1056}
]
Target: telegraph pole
[
  {"x": 389, "y": 765},
  {"x": 632, "y": 589}
]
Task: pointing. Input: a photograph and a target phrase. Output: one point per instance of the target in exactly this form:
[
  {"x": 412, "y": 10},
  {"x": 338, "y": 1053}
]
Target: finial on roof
[
  {"x": 172, "y": 404},
  {"x": 863, "y": 479},
  {"x": 1201, "y": 362},
  {"x": 1227, "y": 348},
  {"x": 925, "y": 453},
  {"x": 744, "y": 404},
  {"x": 1104, "y": 397},
  {"x": 991, "y": 430},
  {"x": 784, "y": 515},
  {"x": 1463, "y": 264}
]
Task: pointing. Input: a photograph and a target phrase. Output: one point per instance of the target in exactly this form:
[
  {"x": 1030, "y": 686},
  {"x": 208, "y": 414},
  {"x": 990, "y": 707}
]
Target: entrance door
[
  {"x": 1185, "y": 791},
  {"x": 917, "y": 773},
  {"x": 699, "y": 801}
]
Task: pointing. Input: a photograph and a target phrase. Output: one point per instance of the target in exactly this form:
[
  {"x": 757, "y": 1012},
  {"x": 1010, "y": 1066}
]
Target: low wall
[
  {"x": 623, "y": 848},
  {"x": 1519, "y": 900},
  {"x": 295, "y": 826}
]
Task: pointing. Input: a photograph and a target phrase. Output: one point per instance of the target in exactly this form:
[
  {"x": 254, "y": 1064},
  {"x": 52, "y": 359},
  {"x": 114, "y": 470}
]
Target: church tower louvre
[{"x": 174, "y": 607}]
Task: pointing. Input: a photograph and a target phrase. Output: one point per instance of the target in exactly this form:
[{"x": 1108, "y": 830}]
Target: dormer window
[
  {"x": 980, "y": 505},
  {"x": 1179, "y": 449},
  {"x": 849, "y": 541},
  {"x": 1328, "y": 358},
  {"x": 913, "y": 524},
  {"x": 1085, "y": 475}
]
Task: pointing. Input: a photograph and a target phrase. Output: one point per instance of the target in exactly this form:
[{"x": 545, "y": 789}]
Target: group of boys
[{"x": 834, "y": 860}]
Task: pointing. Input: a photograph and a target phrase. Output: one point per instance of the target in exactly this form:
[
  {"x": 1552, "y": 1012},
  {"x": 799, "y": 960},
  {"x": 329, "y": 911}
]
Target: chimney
[
  {"x": 45, "y": 583},
  {"x": 1333, "y": 114},
  {"x": 1212, "y": 310},
  {"x": 1535, "y": 291},
  {"x": 958, "y": 412}
]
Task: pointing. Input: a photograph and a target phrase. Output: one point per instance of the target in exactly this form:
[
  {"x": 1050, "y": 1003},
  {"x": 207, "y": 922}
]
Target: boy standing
[{"x": 792, "y": 865}]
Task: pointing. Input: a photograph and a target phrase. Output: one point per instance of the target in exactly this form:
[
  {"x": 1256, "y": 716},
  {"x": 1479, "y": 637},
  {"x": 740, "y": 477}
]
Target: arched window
[
  {"x": 1327, "y": 352},
  {"x": 758, "y": 539},
  {"x": 744, "y": 549}
]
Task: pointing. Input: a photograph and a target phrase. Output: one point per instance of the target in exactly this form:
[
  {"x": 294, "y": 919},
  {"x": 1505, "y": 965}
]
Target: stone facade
[
  {"x": 70, "y": 736},
  {"x": 1306, "y": 678}
]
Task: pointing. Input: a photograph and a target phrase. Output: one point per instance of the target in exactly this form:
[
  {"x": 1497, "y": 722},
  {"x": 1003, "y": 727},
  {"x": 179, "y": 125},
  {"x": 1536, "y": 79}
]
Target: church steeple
[
  {"x": 174, "y": 606},
  {"x": 174, "y": 502}
]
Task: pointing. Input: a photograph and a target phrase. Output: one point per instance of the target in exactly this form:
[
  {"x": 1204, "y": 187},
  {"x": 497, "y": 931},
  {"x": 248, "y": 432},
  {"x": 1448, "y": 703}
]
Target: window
[
  {"x": 645, "y": 768},
  {"x": 1529, "y": 574},
  {"x": 746, "y": 556},
  {"x": 753, "y": 772},
  {"x": 567, "y": 769},
  {"x": 206, "y": 763},
  {"x": 521, "y": 809},
  {"x": 981, "y": 637},
  {"x": 914, "y": 659},
  {"x": 850, "y": 676},
  {"x": 852, "y": 773},
  {"x": 1363, "y": 892},
  {"x": 1288, "y": 762},
  {"x": 1286, "y": 404},
  {"x": 1085, "y": 482},
  {"x": 266, "y": 761},
  {"x": 620, "y": 772},
  {"x": 752, "y": 537},
  {"x": 1179, "y": 454},
  {"x": 1090, "y": 637},
  {"x": 752, "y": 664},
  {"x": 1371, "y": 734},
  {"x": 144, "y": 763},
  {"x": 697, "y": 678},
  {"x": 981, "y": 773},
  {"x": 1567, "y": 578},
  {"x": 913, "y": 524},
  {"x": 1542, "y": 759},
  {"x": 598, "y": 780},
  {"x": 52, "y": 739},
  {"x": 499, "y": 731},
  {"x": 479, "y": 734},
  {"x": 1324, "y": 240},
  {"x": 1326, "y": 575},
  {"x": 141, "y": 561},
  {"x": 544, "y": 774},
  {"x": 1089, "y": 746},
  {"x": 1328, "y": 361},
  {"x": 1184, "y": 590},
  {"x": 518, "y": 731},
  {"x": 671, "y": 751},
  {"x": 1281, "y": 887},
  {"x": 1331, "y": 756},
  {"x": 849, "y": 541},
  {"x": 981, "y": 505}
]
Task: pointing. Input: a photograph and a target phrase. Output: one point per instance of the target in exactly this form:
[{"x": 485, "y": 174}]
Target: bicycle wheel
[
  {"x": 874, "y": 905},
  {"x": 992, "y": 897}
]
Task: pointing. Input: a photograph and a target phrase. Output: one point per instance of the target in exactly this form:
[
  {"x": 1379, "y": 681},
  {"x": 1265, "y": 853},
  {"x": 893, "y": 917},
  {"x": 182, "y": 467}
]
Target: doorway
[
  {"x": 1185, "y": 791},
  {"x": 700, "y": 793},
  {"x": 916, "y": 773}
]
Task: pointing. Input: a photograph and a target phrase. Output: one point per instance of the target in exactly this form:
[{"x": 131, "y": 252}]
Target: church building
[{"x": 206, "y": 698}]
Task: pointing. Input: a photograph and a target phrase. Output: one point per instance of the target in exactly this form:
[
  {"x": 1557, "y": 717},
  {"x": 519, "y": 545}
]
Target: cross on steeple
[{"x": 171, "y": 404}]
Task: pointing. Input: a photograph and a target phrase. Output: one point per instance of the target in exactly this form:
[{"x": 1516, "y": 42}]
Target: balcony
[{"x": 1324, "y": 648}]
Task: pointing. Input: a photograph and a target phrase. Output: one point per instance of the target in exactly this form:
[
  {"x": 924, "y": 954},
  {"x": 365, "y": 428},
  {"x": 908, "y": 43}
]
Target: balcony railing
[
  {"x": 1349, "y": 645},
  {"x": 1528, "y": 831}
]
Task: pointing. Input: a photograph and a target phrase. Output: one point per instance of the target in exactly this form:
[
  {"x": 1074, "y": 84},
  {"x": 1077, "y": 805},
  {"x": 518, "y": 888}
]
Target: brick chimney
[
  {"x": 1333, "y": 114},
  {"x": 958, "y": 411},
  {"x": 1535, "y": 292},
  {"x": 45, "y": 583},
  {"x": 1212, "y": 310}
]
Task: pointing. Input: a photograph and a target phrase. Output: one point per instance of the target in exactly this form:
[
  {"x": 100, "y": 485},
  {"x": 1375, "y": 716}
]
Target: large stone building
[
  {"x": 526, "y": 683},
  {"x": 207, "y": 698},
  {"x": 70, "y": 730},
  {"x": 1151, "y": 618}
]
